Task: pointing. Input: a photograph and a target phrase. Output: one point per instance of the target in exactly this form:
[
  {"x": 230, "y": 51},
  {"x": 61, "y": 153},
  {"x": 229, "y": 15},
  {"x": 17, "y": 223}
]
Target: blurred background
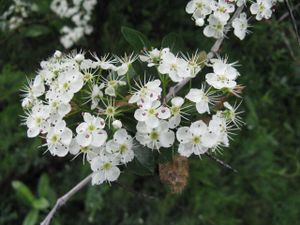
[{"x": 266, "y": 152}]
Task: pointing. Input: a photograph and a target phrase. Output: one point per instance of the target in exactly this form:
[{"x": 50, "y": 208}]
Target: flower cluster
[
  {"x": 77, "y": 104},
  {"x": 14, "y": 16},
  {"x": 80, "y": 13},
  {"x": 218, "y": 13},
  {"x": 177, "y": 67}
]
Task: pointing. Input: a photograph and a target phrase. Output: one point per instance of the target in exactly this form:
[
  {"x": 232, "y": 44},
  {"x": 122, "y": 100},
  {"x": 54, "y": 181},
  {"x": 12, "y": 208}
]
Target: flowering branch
[
  {"x": 214, "y": 49},
  {"x": 62, "y": 200}
]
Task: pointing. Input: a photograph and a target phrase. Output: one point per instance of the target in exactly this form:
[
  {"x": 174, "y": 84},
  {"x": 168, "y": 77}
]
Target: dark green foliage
[{"x": 265, "y": 152}]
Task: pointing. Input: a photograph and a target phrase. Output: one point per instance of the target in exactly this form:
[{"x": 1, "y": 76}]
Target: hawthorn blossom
[
  {"x": 105, "y": 169},
  {"x": 121, "y": 146},
  {"x": 153, "y": 57},
  {"x": 215, "y": 28},
  {"x": 150, "y": 91},
  {"x": 155, "y": 138},
  {"x": 58, "y": 139},
  {"x": 240, "y": 25},
  {"x": 37, "y": 120},
  {"x": 151, "y": 112},
  {"x": 96, "y": 95},
  {"x": 176, "y": 111},
  {"x": 262, "y": 9},
  {"x": 200, "y": 8},
  {"x": 223, "y": 10},
  {"x": 91, "y": 132},
  {"x": 176, "y": 67},
  {"x": 224, "y": 74},
  {"x": 126, "y": 62},
  {"x": 202, "y": 99}
]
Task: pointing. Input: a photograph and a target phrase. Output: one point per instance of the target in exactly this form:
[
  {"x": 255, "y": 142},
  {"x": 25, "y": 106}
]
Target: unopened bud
[{"x": 117, "y": 124}]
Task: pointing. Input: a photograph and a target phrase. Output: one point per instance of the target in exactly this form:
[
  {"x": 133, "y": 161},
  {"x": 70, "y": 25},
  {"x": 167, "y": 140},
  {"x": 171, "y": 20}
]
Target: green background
[{"x": 266, "y": 152}]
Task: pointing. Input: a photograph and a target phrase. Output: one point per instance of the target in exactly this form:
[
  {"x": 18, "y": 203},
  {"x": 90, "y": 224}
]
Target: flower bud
[
  {"x": 57, "y": 54},
  {"x": 117, "y": 124},
  {"x": 79, "y": 58},
  {"x": 199, "y": 22}
]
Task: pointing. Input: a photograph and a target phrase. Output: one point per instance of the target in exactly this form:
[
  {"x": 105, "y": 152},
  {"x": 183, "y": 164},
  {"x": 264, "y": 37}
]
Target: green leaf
[
  {"x": 23, "y": 192},
  {"x": 31, "y": 217},
  {"x": 135, "y": 38},
  {"x": 41, "y": 204},
  {"x": 144, "y": 163},
  {"x": 172, "y": 41},
  {"x": 36, "y": 31},
  {"x": 43, "y": 186}
]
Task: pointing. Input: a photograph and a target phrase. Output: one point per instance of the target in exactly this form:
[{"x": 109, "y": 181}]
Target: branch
[
  {"x": 221, "y": 162},
  {"x": 285, "y": 15},
  {"x": 214, "y": 49},
  {"x": 293, "y": 20},
  {"x": 62, "y": 200}
]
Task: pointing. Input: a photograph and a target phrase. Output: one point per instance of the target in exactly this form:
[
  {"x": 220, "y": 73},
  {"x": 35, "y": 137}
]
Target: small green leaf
[
  {"x": 36, "y": 31},
  {"x": 41, "y": 204},
  {"x": 43, "y": 186},
  {"x": 23, "y": 192},
  {"x": 135, "y": 38},
  {"x": 144, "y": 163},
  {"x": 31, "y": 217},
  {"x": 172, "y": 41}
]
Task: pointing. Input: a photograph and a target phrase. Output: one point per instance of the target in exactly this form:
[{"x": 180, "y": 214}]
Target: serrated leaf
[
  {"x": 41, "y": 203},
  {"x": 135, "y": 38},
  {"x": 31, "y": 217},
  {"x": 36, "y": 31},
  {"x": 43, "y": 186},
  {"x": 23, "y": 192}
]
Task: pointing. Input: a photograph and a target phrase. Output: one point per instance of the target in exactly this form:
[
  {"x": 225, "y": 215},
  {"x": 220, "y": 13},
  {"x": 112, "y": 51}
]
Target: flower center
[
  {"x": 196, "y": 140},
  {"x": 151, "y": 111},
  {"x": 88, "y": 77},
  {"x": 54, "y": 139},
  {"x": 38, "y": 120},
  {"x": 66, "y": 86},
  {"x": 91, "y": 128},
  {"x": 106, "y": 166},
  {"x": 175, "y": 110},
  {"x": 123, "y": 148},
  {"x": 110, "y": 111},
  {"x": 154, "y": 136}
]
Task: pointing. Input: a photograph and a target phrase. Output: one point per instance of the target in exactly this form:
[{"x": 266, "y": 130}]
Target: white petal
[
  {"x": 84, "y": 139},
  {"x": 185, "y": 150},
  {"x": 195, "y": 95},
  {"x": 152, "y": 122},
  {"x": 166, "y": 139},
  {"x": 183, "y": 135},
  {"x": 202, "y": 107},
  {"x": 99, "y": 138},
  {"x": 113, "y": 174},
  {"x": 198, "y": 128},
  {"x": 140, "y": 115},
  {"x": 98, "y": 178},
  {"x": 177, "y": 101},
  {"x": 163, "y": 113},
  {"x": 120, "y": 136}
]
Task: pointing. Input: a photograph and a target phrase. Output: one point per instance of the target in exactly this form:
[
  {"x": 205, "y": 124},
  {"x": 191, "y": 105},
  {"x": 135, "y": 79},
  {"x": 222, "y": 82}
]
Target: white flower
[
  {"x": 223, "y": 9},
  {"x": 150, "y": 91},
  {"x": 193, "y": 139},
  {"x": 121, "y": 146},
  {"x": 79, "y": 58},
  {"x": 151, "y": 112},
  {"x": 224, "y": 75},
  {"x": 176, "y": 67},
  {"x": 105, "y": 169},
  {"x": 176, "y": 112},
  {"x": 200, "y": 8},
  {"x": 58, "y": 139},
  {"x": 96, "y": 94},
  {"x": 37, "y": 120},
  {"x": 69, "y": 83},
  {"x": 57, "y": 54},
  {"x": 232, "y": 115},
  {"x": 199, "y": 22},
  {"x": 240, "y": 25},
  {"x": 155, "y": 138},
  {"x": 153, "y": 57},
  {"x": 215, "y": 28},
  {"x": 202, "y": 99},
  {"x": 125, "y": 61},
  {"x": 218, "y": 132},
  {"x": 117, "y": 124},
  {"x": 262, "y": 9},
  {"x": 91, "y": 132},
  {"x": 112, "y": 83},
  {"x": 88, "y": 152}
]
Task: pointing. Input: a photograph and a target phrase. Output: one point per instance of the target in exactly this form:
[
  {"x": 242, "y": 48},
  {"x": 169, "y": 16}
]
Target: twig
[
  {"x": 221, "y": 162},
  {"x": 285, "y": 15},
  {"x": 293, "y": 20},
  {"x": 214, "y": 49},
  {"x": 62, "y": 200}
]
